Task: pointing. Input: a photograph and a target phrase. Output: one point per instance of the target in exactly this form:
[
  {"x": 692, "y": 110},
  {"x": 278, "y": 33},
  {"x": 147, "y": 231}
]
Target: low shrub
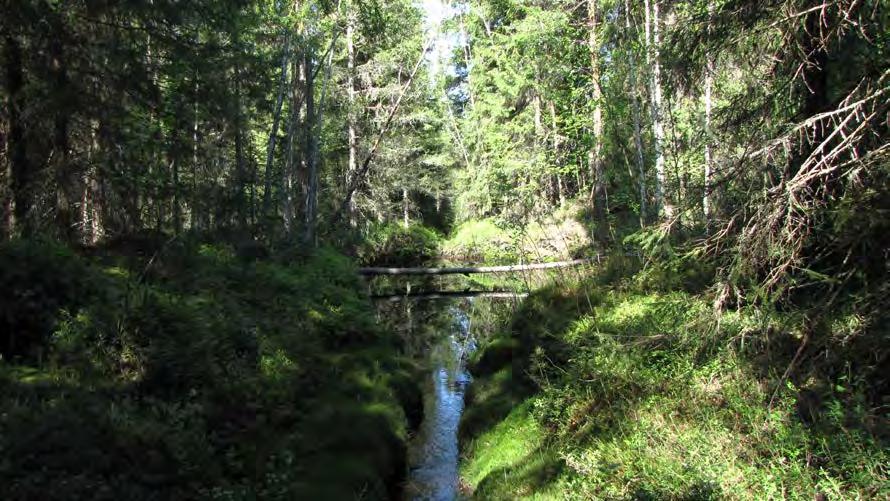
[
  {"x": 193, "y": 373},
  {"x": 396, "y": 245},
  {"x": 39, "y": 282},
  {"x": 481, "y": 241}
]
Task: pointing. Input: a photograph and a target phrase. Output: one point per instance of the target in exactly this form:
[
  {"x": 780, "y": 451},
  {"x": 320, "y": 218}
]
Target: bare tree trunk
[
  {"x": 311, "y": 145},
  {"x": 595, "y": 155},
  {"x": 465, "y": 41},
  {"x": 276, "y": 119},
  {"x": 66, "y": 176},
  {"x": 662, "y": 208},
  {"x": 556, "y": 146},
  {"x": 288, "y": 172},
  {"x": 194, "y": 203},
  {"x": 89, "y": 215},
  {"x": 635, "y": 102},
  {"x": 314, "y": 153},
  {"x": 406, "y": 200},
  {"x": 172, "y": 153},
  {"x": 240, "y": 168},
  {"x": 351, "y": 125},
  {"x": 20, "y": 171},
  {"x": 709, "y": 83},
  {"x": 540, "y": 145}
]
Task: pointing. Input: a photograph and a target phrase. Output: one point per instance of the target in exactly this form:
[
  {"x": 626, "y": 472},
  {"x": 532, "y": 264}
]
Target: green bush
[
  {"x": 481, "y": 241},
  {"x": 198, "y": 374},
  {"x": 39, "y": 280},
  {"x": 395, "y": 245}
]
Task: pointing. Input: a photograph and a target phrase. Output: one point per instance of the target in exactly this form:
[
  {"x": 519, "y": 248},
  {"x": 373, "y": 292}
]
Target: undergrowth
[
  {"x": 393, "y": 244},
  {"x": 612, "y": 388},
  {"x": 185, "y": 370}
]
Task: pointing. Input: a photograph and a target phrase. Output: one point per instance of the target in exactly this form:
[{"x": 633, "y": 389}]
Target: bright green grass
[
  {"x": 651, "y": 396},
  {"x": 512, "y": 460}
]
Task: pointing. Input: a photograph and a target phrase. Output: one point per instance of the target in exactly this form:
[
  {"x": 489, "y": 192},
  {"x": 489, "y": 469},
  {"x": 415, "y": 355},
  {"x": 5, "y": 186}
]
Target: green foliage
[
  {"x": 199, "y": 375},
  {"x": 480, "y": 241},
  {"x": 394, "y": 244}
]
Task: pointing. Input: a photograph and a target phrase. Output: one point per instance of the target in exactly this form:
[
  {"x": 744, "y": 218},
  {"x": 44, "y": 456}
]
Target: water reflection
[{"x": 441, "y": 320}]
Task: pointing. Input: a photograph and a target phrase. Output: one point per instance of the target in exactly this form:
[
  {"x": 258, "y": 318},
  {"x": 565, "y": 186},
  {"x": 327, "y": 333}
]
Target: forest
[{"x": 688, "y": 200}]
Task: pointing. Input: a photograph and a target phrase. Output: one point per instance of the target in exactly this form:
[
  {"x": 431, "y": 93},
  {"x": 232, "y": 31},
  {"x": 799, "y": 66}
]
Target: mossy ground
[
  {"x": 599, "y": 390},
  {"x": 189, "y": 371}
]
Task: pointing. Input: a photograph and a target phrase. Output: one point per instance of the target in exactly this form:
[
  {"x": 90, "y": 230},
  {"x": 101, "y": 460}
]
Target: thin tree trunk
[
  {"x": 635, "y": 102},
  {"x": 595, "y": 155},
  {"x": 556, "y": 149},
  {"x": 311, "y": 144},
  {"x": 174, "y": 177},
  {"x": 352, "y": 166},
  {"x": 315, "y": 152},
  {"x": 288, "y": 172},
  {"x": 662, "y": 208},
  {"x": 20, "y": 171},
  {"x": 709, "y": 83},
  {"x": 276, "y": 120},
  {"x": 405, "y": 206},
  {"x": 240, "y": 169},
  {"x": 89, "y": 215},
  {"x": 67, "y": 194},
  {"x": 194, "y": 195}
]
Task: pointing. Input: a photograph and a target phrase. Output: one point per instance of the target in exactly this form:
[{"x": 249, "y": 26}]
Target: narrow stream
[
  {"x": 441, "y": 323},
  {"x": 433, "y": 453}
]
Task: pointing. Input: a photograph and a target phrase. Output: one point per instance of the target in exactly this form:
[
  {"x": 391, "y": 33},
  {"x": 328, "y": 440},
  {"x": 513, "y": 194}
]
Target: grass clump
[
  {"x": 189, "y": 372},
  {"x": 611, "y": 392}
]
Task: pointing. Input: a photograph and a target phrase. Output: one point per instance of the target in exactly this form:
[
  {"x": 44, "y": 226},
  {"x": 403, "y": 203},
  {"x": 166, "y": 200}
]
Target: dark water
[{"x": 433, "y": 455}]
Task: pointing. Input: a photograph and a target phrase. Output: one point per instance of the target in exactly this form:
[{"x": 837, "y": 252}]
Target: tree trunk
[
  {"x": 635, "y": 102},
  {"x": 556, "y": 146},
  {"x": 240, "y": 168},
  {"x": 709, "y": 83},
  {"x": 276, "y": 119},
  {"x": 352, "y": 166},
  {"x": 288, "y": 173},
  {"x": 194, "y": 195},
  {"x": 595, "y": 155},
  {"x": 662, "y": 208},
  {"x": 315, "y": 129},
  {"x": 67, "y": 179},
  {"x": 405, "y": 206},
  {"x": 89, "y": 214},
  {"x": 309, "y": 139},
  {"x": 20, "y": 171}
]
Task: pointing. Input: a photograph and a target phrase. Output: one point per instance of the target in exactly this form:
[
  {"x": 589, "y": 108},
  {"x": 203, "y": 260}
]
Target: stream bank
[{"x": 612, "y": 388}]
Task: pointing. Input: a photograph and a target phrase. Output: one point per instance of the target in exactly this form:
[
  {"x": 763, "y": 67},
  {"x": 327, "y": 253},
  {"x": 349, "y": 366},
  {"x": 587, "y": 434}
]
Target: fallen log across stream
[
  {"x": 466, "y": 270},
  {"x": 394, "y": 298}
]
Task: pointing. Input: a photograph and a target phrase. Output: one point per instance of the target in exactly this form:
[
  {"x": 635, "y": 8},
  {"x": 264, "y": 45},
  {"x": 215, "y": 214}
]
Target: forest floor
[
  {"x": 184, "y": 370},
  {"x": 615, "y": 386}
]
